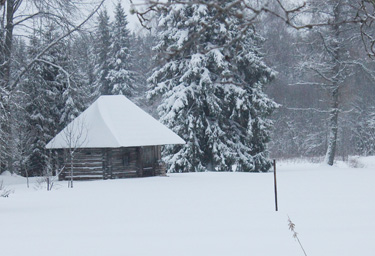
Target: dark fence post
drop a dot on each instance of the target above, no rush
(274, 175)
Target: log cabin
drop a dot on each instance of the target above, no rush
(113, 138)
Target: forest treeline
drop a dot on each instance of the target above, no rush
(238, 92)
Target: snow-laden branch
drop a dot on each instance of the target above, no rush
(364, 68)
(319, 110)
(252, 10)
(56, 66)
(308, 109)
(23, 18)
(323, 76)
(307, 84)
(204, 25)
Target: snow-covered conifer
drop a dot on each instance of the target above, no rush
(211, 89)
(142, 65)
(37, 89)
(51, 92)
(120, 75)
(83, 60)
(102, 46)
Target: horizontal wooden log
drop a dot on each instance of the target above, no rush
(84, 162)
(84, 177)
(85, 159)
(128, 167)
(68, 166)
(126, 172)
(80, 172)
(121, 176)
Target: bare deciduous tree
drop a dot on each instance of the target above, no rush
(75, 136)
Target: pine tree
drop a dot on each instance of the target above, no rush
(211, 90)
(120, 74)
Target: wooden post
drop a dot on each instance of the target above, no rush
(274, 175)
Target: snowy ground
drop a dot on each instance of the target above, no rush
(200, 214)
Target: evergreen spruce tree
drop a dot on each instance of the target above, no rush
(102, 46)
(21, 149)
(6, 158)
(211, 90)
(38, 107)
(50, 92)
(72, 96)
(120, 75)
(142, 67)
(3, 114)
(83, 54)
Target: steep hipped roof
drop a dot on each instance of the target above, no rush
(113, 122)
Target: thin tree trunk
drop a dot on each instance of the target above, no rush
(71, 168)
(335, 90)
(27, 178)
(8, 43)
(5, 83)
(333, 127)
(27, 174)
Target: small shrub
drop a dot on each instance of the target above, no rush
(5, 192)
(354, 162)
(45, 182)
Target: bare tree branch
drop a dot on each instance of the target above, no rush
(364, 14)
(52, 44)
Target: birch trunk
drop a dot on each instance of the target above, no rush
(333, 127)
(335, 88)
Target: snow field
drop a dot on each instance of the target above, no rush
(196, 214)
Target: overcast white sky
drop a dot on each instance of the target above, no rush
(134, 24)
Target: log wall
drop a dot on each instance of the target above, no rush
(111, 163)
(87, 164)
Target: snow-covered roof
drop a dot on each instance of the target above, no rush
(113, 122)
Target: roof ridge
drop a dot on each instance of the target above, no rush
(113, 133)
